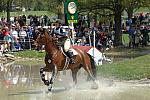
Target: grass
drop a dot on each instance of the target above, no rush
(29, 54)
(125, 39)
(128, 52)
(33, 57)
(38, 13)
(132, 69)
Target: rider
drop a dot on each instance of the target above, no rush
(58, 31)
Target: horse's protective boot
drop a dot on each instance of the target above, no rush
(70, 55)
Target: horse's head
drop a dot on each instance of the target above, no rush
(43, 38)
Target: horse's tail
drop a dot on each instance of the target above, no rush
(93, 66)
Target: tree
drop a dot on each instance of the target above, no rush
(116, 6)
(8, 10)
(132, 5)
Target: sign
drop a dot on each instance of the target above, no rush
(71, 11)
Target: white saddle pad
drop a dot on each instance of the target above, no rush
(74, 51)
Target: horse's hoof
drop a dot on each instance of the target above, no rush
(59, 79)
(50, 89)
(46, 82)
(94, 86)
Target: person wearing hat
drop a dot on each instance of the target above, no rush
(5, 31)
(65, 40)
(8, 39)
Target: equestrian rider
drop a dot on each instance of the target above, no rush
(58, 31)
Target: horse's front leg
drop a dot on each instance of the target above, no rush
(42, 74)
(53, 77)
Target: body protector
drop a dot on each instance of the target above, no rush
(67, 44)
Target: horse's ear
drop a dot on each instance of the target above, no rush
(44, 30)
(40, 30)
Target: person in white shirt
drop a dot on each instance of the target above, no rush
(14, 33)
(22, 36)
(22, 33)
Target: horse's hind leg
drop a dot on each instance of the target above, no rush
(91, 75)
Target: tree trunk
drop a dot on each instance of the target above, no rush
(118, 28)
(129, 12)
(8, 11)
(61, 12)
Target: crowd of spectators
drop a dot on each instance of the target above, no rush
(20, 33)
(138, 28)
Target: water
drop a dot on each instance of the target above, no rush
(22, 82)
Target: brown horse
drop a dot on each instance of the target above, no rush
(56, 60)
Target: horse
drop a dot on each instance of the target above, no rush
(56, 60)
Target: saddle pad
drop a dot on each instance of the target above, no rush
(74, 51)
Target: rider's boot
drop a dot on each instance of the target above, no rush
(70, 55)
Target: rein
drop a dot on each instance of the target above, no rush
(66, 61)
(56, 53)
(51, 41)
(52, 50)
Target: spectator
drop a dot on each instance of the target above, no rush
(1, 36)
(8, 39)
(22, 36)
(137, 37)
(144, 32)
(131, 36)
(14, 33)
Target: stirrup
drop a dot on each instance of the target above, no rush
(71, 61)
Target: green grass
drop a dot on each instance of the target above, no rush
(126, 52)
(29, 54)
(125, 39)
(38, 13)
(132, 69)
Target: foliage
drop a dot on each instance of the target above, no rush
(133, 5)
(38, 13)
(98, 5)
